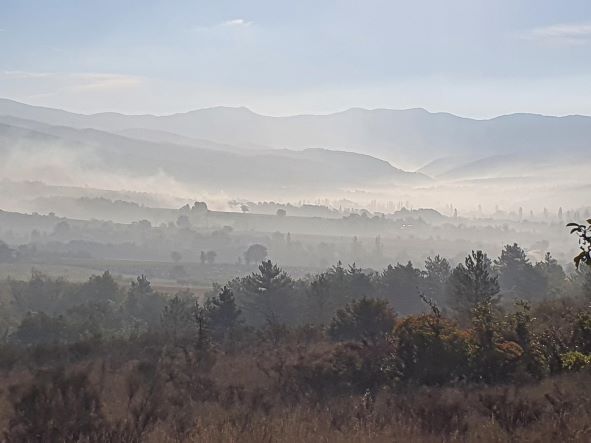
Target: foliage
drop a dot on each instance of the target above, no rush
(334, 288)
(99, 288)
(400, 285)
(222, 315)
(576, 361)
(430, 350)
(321, 300)
(266, 296)
(55, 406)
(178, 318)
(533, 361)
(143, 304)
(367, 319)
(584, 234)
(472, 284)
(581, 338)
(517, 276)
(553, 274)
(493, 359)
(41, 293)
(146, 366)
(437, 272)
(255, 253)
(41, 328)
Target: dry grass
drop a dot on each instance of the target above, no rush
(238, 400)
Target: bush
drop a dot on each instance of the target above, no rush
(582, 333)
(493, 357)
(55, 407)
(37, 328)
(497, 363)
(510, 411)
(430, 350)
(350, 368)
(576, 361)
(368, 319)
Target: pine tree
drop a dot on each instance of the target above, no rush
(553, 275)
(222, 314)
(268, 295)
(517, 276)
(437, 272)
(472, 283)
(400, 285)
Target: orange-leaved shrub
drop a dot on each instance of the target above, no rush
(430, 350)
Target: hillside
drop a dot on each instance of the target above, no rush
(80, 152)
(409, 138)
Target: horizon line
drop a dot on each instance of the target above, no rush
(246, 108)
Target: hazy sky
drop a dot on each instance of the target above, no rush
(471, 57)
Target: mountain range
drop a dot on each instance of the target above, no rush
(404, 137)
(234, 148)
(198, 164)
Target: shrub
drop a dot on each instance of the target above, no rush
(430, 350)
(575, 361)
(440, 412)
(38, 328)
(510, 411)
(493, 358)
(55, 406)
(582, 333)
(533, 361)
(350, 368)
(367, 319)
(497, 363)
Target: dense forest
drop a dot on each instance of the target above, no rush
(491, 349)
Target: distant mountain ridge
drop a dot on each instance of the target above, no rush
(403, 137)
(204, 165)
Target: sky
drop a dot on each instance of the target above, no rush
(473, 58)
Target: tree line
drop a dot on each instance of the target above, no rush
(405, 352)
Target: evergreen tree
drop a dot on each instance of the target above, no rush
(437, 272)
(358, 282)
(400, 285)
(268, 295)
(143, 303)
(99, 288)
(553, 274)
(319, 298)
(364, 319)
(517, 276)
(472, 283)
(177, 319)
(222, 314)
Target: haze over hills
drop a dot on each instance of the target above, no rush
(407, 138)
(66, 154)
(356, 154)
